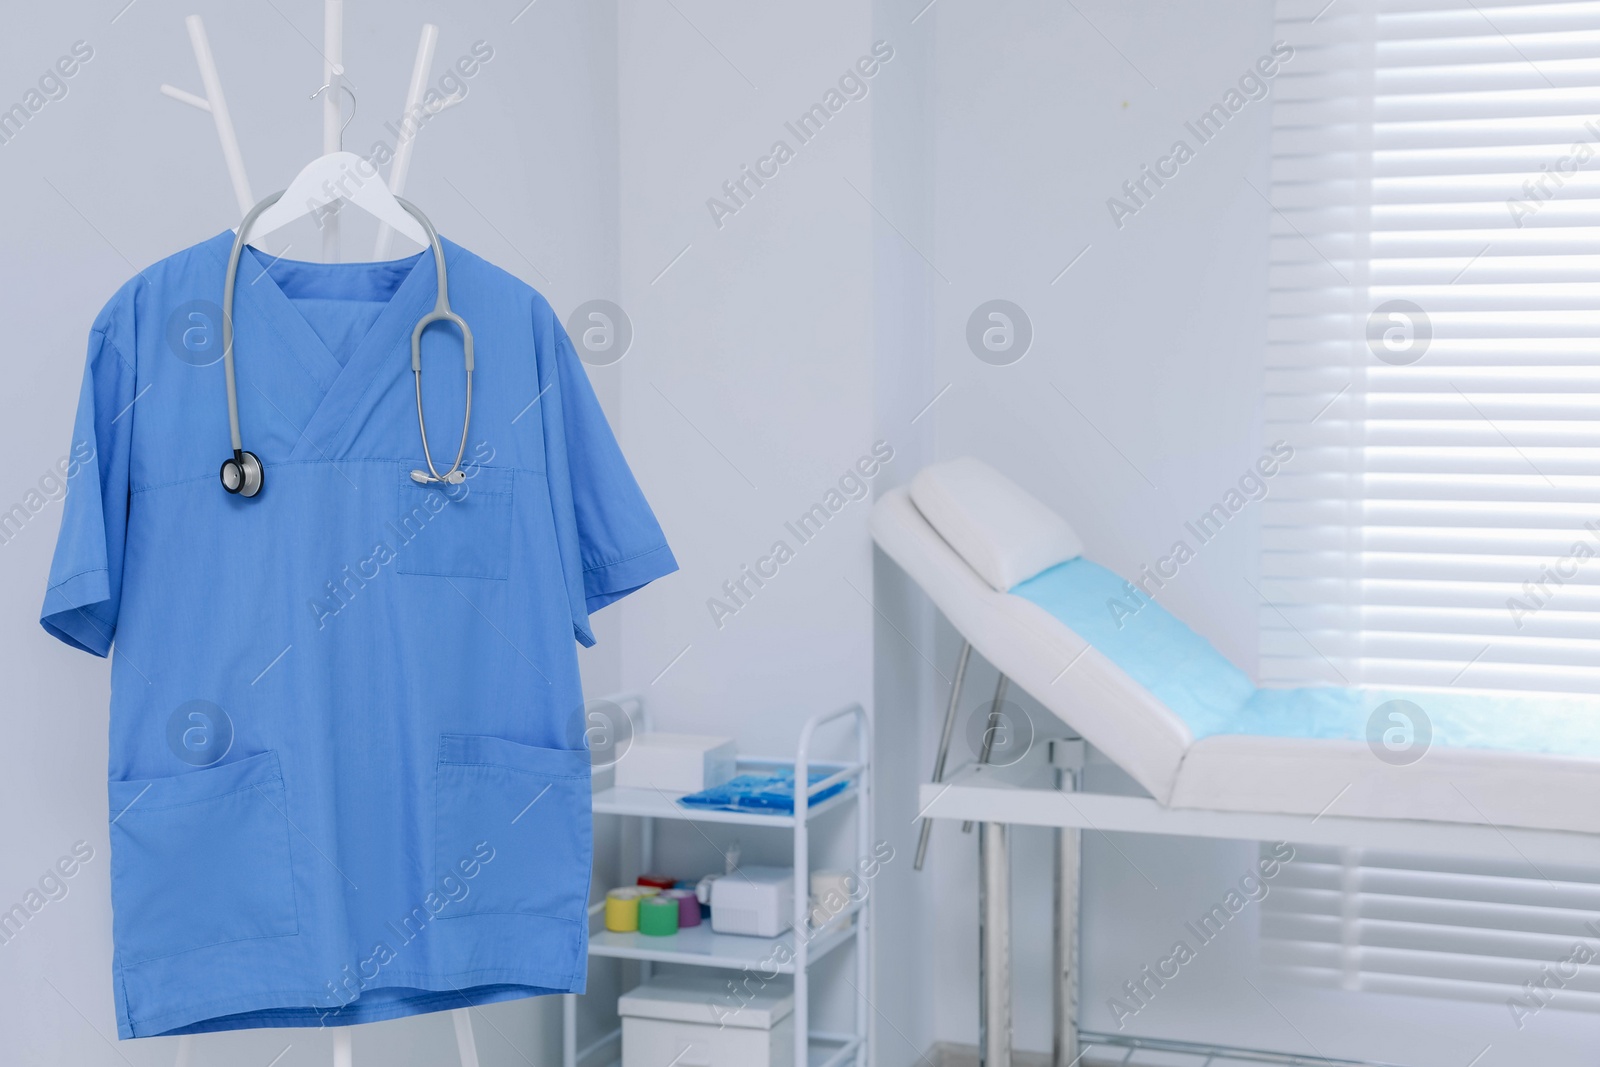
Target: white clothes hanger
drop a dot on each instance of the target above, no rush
(338, 176)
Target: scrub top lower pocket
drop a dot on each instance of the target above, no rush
(455, 531)
(201, 859)
(512, 833)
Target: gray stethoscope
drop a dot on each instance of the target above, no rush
(241, 473)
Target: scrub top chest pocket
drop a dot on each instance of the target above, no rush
(455, 531)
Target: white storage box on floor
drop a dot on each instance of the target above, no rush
(708, 1021)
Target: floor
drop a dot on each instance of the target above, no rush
(948, 1055)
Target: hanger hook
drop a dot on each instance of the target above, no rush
(347, 121)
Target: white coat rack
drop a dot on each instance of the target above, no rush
(333, 119)
(214, 103)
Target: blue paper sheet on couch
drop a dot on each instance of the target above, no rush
(1212, 696)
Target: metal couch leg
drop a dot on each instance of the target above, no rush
(994, 946)
(1069, 873)
(944, 745)
(995, 725)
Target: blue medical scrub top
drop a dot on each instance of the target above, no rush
(348, 778)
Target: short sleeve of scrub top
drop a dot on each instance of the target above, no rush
(619, 547)
(86, 574)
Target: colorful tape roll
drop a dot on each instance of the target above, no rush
(688, 906)
(658, 916)
(622, 909)
(660, 881)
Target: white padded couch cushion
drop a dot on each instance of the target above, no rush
(1047, 660)
(1003, 533)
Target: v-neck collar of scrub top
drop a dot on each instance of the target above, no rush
(372, 364)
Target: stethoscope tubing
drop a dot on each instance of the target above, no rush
(441, 312)
(228, 286)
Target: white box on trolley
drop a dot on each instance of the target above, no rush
(757, 901)
(676, 763)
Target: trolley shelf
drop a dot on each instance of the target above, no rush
(823, 1050)
(654, 804)
(700, 946)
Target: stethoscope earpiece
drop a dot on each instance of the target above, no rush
(242, 473)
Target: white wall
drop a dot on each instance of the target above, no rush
(115, 176)
(906, 689)
(748, 391)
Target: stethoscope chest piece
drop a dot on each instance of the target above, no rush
(242, 474)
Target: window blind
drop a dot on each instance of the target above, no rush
(1434, 347)
(1488, 931)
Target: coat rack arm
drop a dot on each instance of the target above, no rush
(184, 97)
(217, 105)
(421, 69)
(332, 109)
